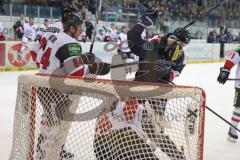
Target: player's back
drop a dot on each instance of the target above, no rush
(53, 29)
(56, 44)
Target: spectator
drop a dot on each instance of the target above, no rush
(100, 36)
(229, 36)
(222, 40)
(92, 6)
(89, 28)
(18, 27)
(2, 37)
(212, 38)
(237, 38)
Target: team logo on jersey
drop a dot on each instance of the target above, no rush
(16, 58)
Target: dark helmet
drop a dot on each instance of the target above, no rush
(72, 19)
(182, 35)
(67, 10)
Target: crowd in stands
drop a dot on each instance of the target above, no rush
(224, 36)
(51, 3)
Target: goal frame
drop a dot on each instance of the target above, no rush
(105, 81)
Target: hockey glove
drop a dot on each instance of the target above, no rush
(88, 58)
(149, 17)
(99, 68)
(223, 75)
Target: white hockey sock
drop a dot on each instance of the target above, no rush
(236, 116)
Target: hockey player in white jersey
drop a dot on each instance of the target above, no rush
(30, 33)
(62, 56)
(234, 59)
(124, 50)
(52, 29)
(40, 31)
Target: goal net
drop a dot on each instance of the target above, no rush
(87, 119)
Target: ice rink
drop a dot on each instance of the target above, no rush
(219, 97)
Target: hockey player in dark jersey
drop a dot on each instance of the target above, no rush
(118, 134)
(162, 57)
(161, 60)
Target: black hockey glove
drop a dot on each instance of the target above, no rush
(88, 58)
(99, 68)
(149, 17)
(223, 75)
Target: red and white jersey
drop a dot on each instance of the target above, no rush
(52, 29)
(127, 113)
(36, 47)
(232, 60)
(30, 32)
(59, 49)
(41, 30)
(124, 42)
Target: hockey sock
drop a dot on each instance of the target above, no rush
(236, 117)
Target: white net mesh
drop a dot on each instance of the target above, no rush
(81, 119)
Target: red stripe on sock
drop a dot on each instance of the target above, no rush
(235, 120)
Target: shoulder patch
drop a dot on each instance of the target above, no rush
(74, 49)
(237, 50)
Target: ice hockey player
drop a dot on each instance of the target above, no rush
(121, 134)
(40, 31)
(62, 56)
(232, 60)
(30, 32)
(52, 29)
(126, 54)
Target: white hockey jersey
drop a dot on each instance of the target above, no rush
(41, 30)
(59, 49)
(126, 114)
(232, 60)
(30, 32)
(124, 42)
(52, 29)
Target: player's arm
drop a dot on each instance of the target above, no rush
(135, 40)
(232, 60)
(178, 58)
(74, 63)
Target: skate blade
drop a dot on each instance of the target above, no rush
(233, 140)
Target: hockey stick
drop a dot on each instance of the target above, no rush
(97, 20)
(196, 19)
(222, 118)
(233, 79)
(124, 64)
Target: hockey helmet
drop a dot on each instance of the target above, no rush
(182, 35)
(67, 10)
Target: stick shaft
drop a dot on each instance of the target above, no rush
(95, 28)
(124, 64)
(203, 15)
(222, 118)
(233, 79)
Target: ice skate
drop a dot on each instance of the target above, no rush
(232, 135)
